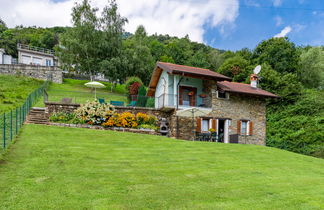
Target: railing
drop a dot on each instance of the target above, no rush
(37, 49)
(12, 121)
(81, 97)
(171, 100)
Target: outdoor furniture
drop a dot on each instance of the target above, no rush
(117, 103)
(132, 103)
(213, 137)
(101, 100)
(66, 100)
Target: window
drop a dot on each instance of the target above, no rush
(48, 62)
(205, 125)
(244, 125)
(222, 95)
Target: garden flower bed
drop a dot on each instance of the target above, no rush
(103, 116)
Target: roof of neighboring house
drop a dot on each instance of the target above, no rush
(236, 87)
(188, 71)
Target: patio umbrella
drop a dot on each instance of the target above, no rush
(192, 112)
(95, 85)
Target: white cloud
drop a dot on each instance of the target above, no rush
(174, 17)
(278, 20)
(277, 3)
(284, 32)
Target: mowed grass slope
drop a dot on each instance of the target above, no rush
(72, 168)
(14, 90)
(79, 93)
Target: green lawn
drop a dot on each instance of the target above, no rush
(79, 93)
(14, 91)
(72, 168)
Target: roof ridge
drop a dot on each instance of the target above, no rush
(185, 66)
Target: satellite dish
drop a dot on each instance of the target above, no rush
(257, 69)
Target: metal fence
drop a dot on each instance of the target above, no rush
(12, 121)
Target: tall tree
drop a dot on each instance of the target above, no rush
(280, 53)
(311, 73)
(79, 46)
(94, 43)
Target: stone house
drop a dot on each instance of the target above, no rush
(236, 111)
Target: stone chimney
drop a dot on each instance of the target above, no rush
(254, 80)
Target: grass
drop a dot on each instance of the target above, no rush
(79, 93)
(72, 168)
(14, 90)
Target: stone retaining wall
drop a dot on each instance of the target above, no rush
(97, 127)
(51, 73)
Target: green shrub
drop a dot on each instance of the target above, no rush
(63, 117)
(148, 126)
(120, 88)
(150, 102)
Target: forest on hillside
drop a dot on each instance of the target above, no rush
(98, 44)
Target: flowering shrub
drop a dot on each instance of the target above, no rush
(94, 113)
(129, 120)
(133, 89)
(142, 118)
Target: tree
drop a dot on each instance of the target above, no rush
(311, 72)
(285, 85)
(94, 43)
(236, 68)
(3, 26)
(280, 53)
(79, 46)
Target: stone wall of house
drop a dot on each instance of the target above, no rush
(239, 107)
(51, 73)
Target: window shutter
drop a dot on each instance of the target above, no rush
(239, 127)
(214, 124)
(198, 127)
(250, 128)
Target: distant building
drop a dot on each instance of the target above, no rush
(35, 56)
(5, 59)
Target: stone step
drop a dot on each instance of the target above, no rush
(37, 115)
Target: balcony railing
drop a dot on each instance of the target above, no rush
(37, 49)
(172, 101)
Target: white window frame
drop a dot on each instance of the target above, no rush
(209, 124)
(247, 133)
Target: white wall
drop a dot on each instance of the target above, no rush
(161, 88)
(36, 59)
(7, 59)
(1, 55)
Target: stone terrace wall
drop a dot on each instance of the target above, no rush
(52, 73)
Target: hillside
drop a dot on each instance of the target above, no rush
(14, 91)
(71, 168)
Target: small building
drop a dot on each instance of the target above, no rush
(237, 111)
(30, 55)
(4, 58)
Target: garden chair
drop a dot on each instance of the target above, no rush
(66, 100)
(132, 103)
(117, 103)
(101, 100)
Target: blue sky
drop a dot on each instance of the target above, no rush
(259, 22)
(223, 24)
